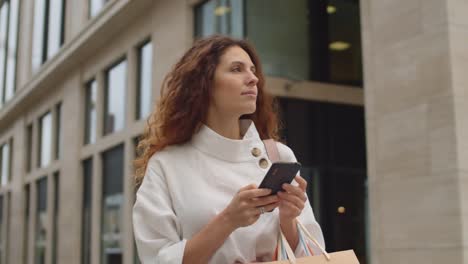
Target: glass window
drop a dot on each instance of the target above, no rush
(220, 17)
(308, 40)
(26, 223)
(116, 83)
(49, 19)
(45, 140)
(5, 162)
(3, 47)
(41, 222)
(56, 216)
(58, 132)
(271, 28)
(144, 80)
(11, 53)
(55, 28)
(90, 115)
(29, 141)
(38, 52)
(112, 199)
(86, 212)
(95, 6)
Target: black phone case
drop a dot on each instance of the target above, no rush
(278, 174)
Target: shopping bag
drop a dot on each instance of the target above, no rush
(285, 251)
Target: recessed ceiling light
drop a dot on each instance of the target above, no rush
(339, 45)
(222, 10)
(341, 210)
(331, 9)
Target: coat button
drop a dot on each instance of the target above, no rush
(263, 163)
(256, 152)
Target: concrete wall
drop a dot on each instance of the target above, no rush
(413, 54)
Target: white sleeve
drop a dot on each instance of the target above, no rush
(156, 226)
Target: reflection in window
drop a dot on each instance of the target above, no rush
(95, 6)
(144, 81)
(55, 27)
(220, 17)
(116, 83)
(48, 30)
(11, 53)
(8, 48)
(45, 140)
(90, 115)
(271, 28)
(38, 54)
(308, 40)
(3, 47)
(86, 212)
(5, 163)
(41, 222)
(112, 199)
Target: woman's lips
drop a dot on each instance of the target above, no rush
(253, 93)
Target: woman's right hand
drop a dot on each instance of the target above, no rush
(244, 208)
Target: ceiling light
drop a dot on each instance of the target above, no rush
(341, 210)
(339, 45)
(222, 10)
(331, 9)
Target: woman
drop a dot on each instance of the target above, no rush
(202, 158)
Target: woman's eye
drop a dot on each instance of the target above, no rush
(237, 69)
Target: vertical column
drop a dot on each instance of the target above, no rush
(458, 32)
(411, 132)
(128, 190)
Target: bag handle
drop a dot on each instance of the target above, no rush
(273, 154)
(272, 150)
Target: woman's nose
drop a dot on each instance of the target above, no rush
(253, 79)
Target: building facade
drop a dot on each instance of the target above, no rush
(378, 126)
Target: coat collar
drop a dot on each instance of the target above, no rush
(211, 143)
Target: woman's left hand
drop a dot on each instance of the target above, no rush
(292, 199)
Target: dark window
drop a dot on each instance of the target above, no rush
(112, 200)
(299, 40)
(58, 131)
(56, 217)
(29, 142)
(329, 141)
(114, 103)
(2, 243)
(26, 224)
(86, 212)
(41, 222)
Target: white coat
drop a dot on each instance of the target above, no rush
(186, 186)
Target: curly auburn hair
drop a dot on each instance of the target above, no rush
(185, 96)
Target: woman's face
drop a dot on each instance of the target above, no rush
(235, 84)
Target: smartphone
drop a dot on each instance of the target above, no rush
(278, 174)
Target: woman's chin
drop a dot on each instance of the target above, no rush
(249, 111)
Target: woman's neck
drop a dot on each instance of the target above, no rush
(226, 127)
